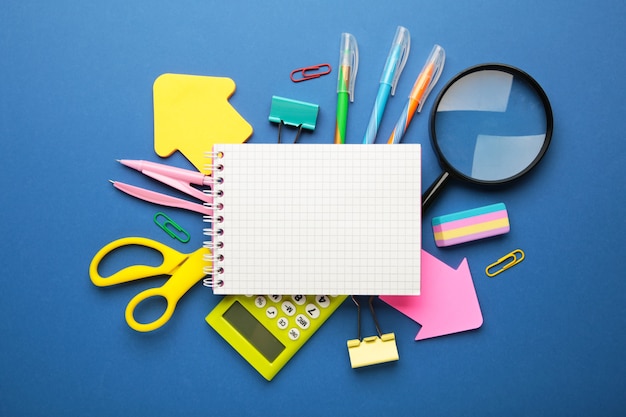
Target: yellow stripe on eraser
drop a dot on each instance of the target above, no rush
(469, 225)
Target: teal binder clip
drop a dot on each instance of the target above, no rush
(294, 113)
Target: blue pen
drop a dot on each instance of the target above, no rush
(391, 74)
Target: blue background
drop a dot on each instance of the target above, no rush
(76, 94)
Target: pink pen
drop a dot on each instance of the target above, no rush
(178, 178)
(162, 199)
(192, 177)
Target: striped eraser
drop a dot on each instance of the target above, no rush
(468, 225)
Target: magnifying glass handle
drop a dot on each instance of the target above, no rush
(433, 191)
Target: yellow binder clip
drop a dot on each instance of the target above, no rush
(506, 262)
(373, 349)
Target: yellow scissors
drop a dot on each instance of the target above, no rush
(185, 270)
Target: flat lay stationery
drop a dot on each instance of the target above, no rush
(292, 230)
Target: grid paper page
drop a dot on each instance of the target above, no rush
(320, 219)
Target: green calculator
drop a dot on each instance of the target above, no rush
(267, 330)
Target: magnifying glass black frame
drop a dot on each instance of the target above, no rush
(448, 170)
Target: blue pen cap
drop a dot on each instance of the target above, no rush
(397, 58)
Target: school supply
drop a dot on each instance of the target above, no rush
(468, 225)
(169, 226)
(178, 178)
(396, 60)
(348, 68)
(371, 350)
(424, 84)
(511, 259)
(448, 302)
(294, 113)
(186, 269)
(267, 330)
(316, 219)
(490, 124)
(161, 199)
(309, 73)
(192, 112)
(156, 170)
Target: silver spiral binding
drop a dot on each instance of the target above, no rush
(212, 219)
(211, 283)
(213, 155)
(213, 268)
(213, 193)
(214, 206)
(214, 166)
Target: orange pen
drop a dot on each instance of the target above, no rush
(422, 87)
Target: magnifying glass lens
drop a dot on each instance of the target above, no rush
(491, 125)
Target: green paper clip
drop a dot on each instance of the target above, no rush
(169, 222)
(298, 114)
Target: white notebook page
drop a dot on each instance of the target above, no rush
(319, 219)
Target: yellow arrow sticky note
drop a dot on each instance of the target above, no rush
(192, 113)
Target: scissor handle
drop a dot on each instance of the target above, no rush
(189, 273)
(171, 260)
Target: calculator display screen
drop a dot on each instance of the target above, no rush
(252, 329)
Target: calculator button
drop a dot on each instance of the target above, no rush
(282, 323)
(322, 301)
(302, 321)
(294, 334)
(276, 298)
(299, 299)
(260, 301)
(271, 312)
(312, 311)
(288, 308)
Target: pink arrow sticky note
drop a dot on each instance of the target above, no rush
(447, 303)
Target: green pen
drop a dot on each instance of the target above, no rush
(348, 66)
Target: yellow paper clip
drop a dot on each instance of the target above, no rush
(371, 350)
(513, 258)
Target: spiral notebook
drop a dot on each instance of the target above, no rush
(315, 219)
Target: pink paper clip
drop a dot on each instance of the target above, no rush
(308, 73)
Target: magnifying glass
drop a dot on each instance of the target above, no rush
(490, 124)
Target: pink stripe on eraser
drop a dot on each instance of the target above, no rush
(469, 225)
(470, 221)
